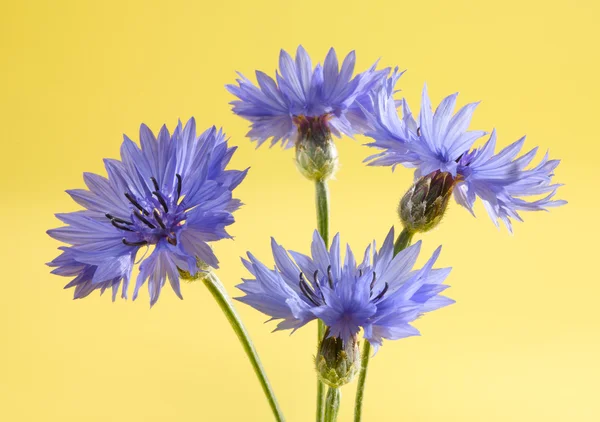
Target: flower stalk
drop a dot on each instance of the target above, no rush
(322, 199)
(362, 378)
(403, 240)
(217, 290)
(322, 202)
(332, 404)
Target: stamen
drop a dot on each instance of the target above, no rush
(161, 200)
(178, 176)
(317, 285)
(135, 203)
(155, 183)
(374, 279)
(143, 256)
(116, 224)
(320, 291)
(172, 241)
(329, 277)
(380, 295)
(158, 219)
(310, 295)
(140, 243)
(143, 220)
(419, 131)
(118, 220)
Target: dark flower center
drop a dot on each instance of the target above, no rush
(315, 294)
(152, 218)
(313, 128)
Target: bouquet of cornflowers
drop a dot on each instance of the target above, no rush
(169, 197)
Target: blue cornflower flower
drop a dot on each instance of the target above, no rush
(325, 93)
(440, 142)
(382, 295)
(173, 193)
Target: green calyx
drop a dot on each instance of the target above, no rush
(316, 154)
(201, 274)
(337, 363)
(423, 206)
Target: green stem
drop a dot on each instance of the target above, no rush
(218, 291)
(320, 385)
(360, 389)
(322, 201)
(332, 404)
(322, 198)
(403, 241)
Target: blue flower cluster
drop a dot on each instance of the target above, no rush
(441, 141)
(173, 193)
(301, 90)
(381, 295)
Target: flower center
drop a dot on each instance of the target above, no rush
(315, 295)
(155, 217)
(313, 128)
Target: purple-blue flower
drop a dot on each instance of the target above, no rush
(441, 141)
(381, 295)
(173, 193)
(301, 90)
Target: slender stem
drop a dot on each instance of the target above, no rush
(322, 198)
(360, 389)
(403, 241)
(322, 201)
(332, 404)
(320, 385)
(218, 291)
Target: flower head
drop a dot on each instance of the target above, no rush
(173, 193)
(441, 142)
(301, 90)
(382, 294)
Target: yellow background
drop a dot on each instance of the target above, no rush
(521, 344)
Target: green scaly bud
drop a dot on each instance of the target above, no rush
(337, 363)
(316, 154)
(424, 205)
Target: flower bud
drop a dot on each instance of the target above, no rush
(337, 363)
(203, 271)
(316, 154)
(424, 205)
